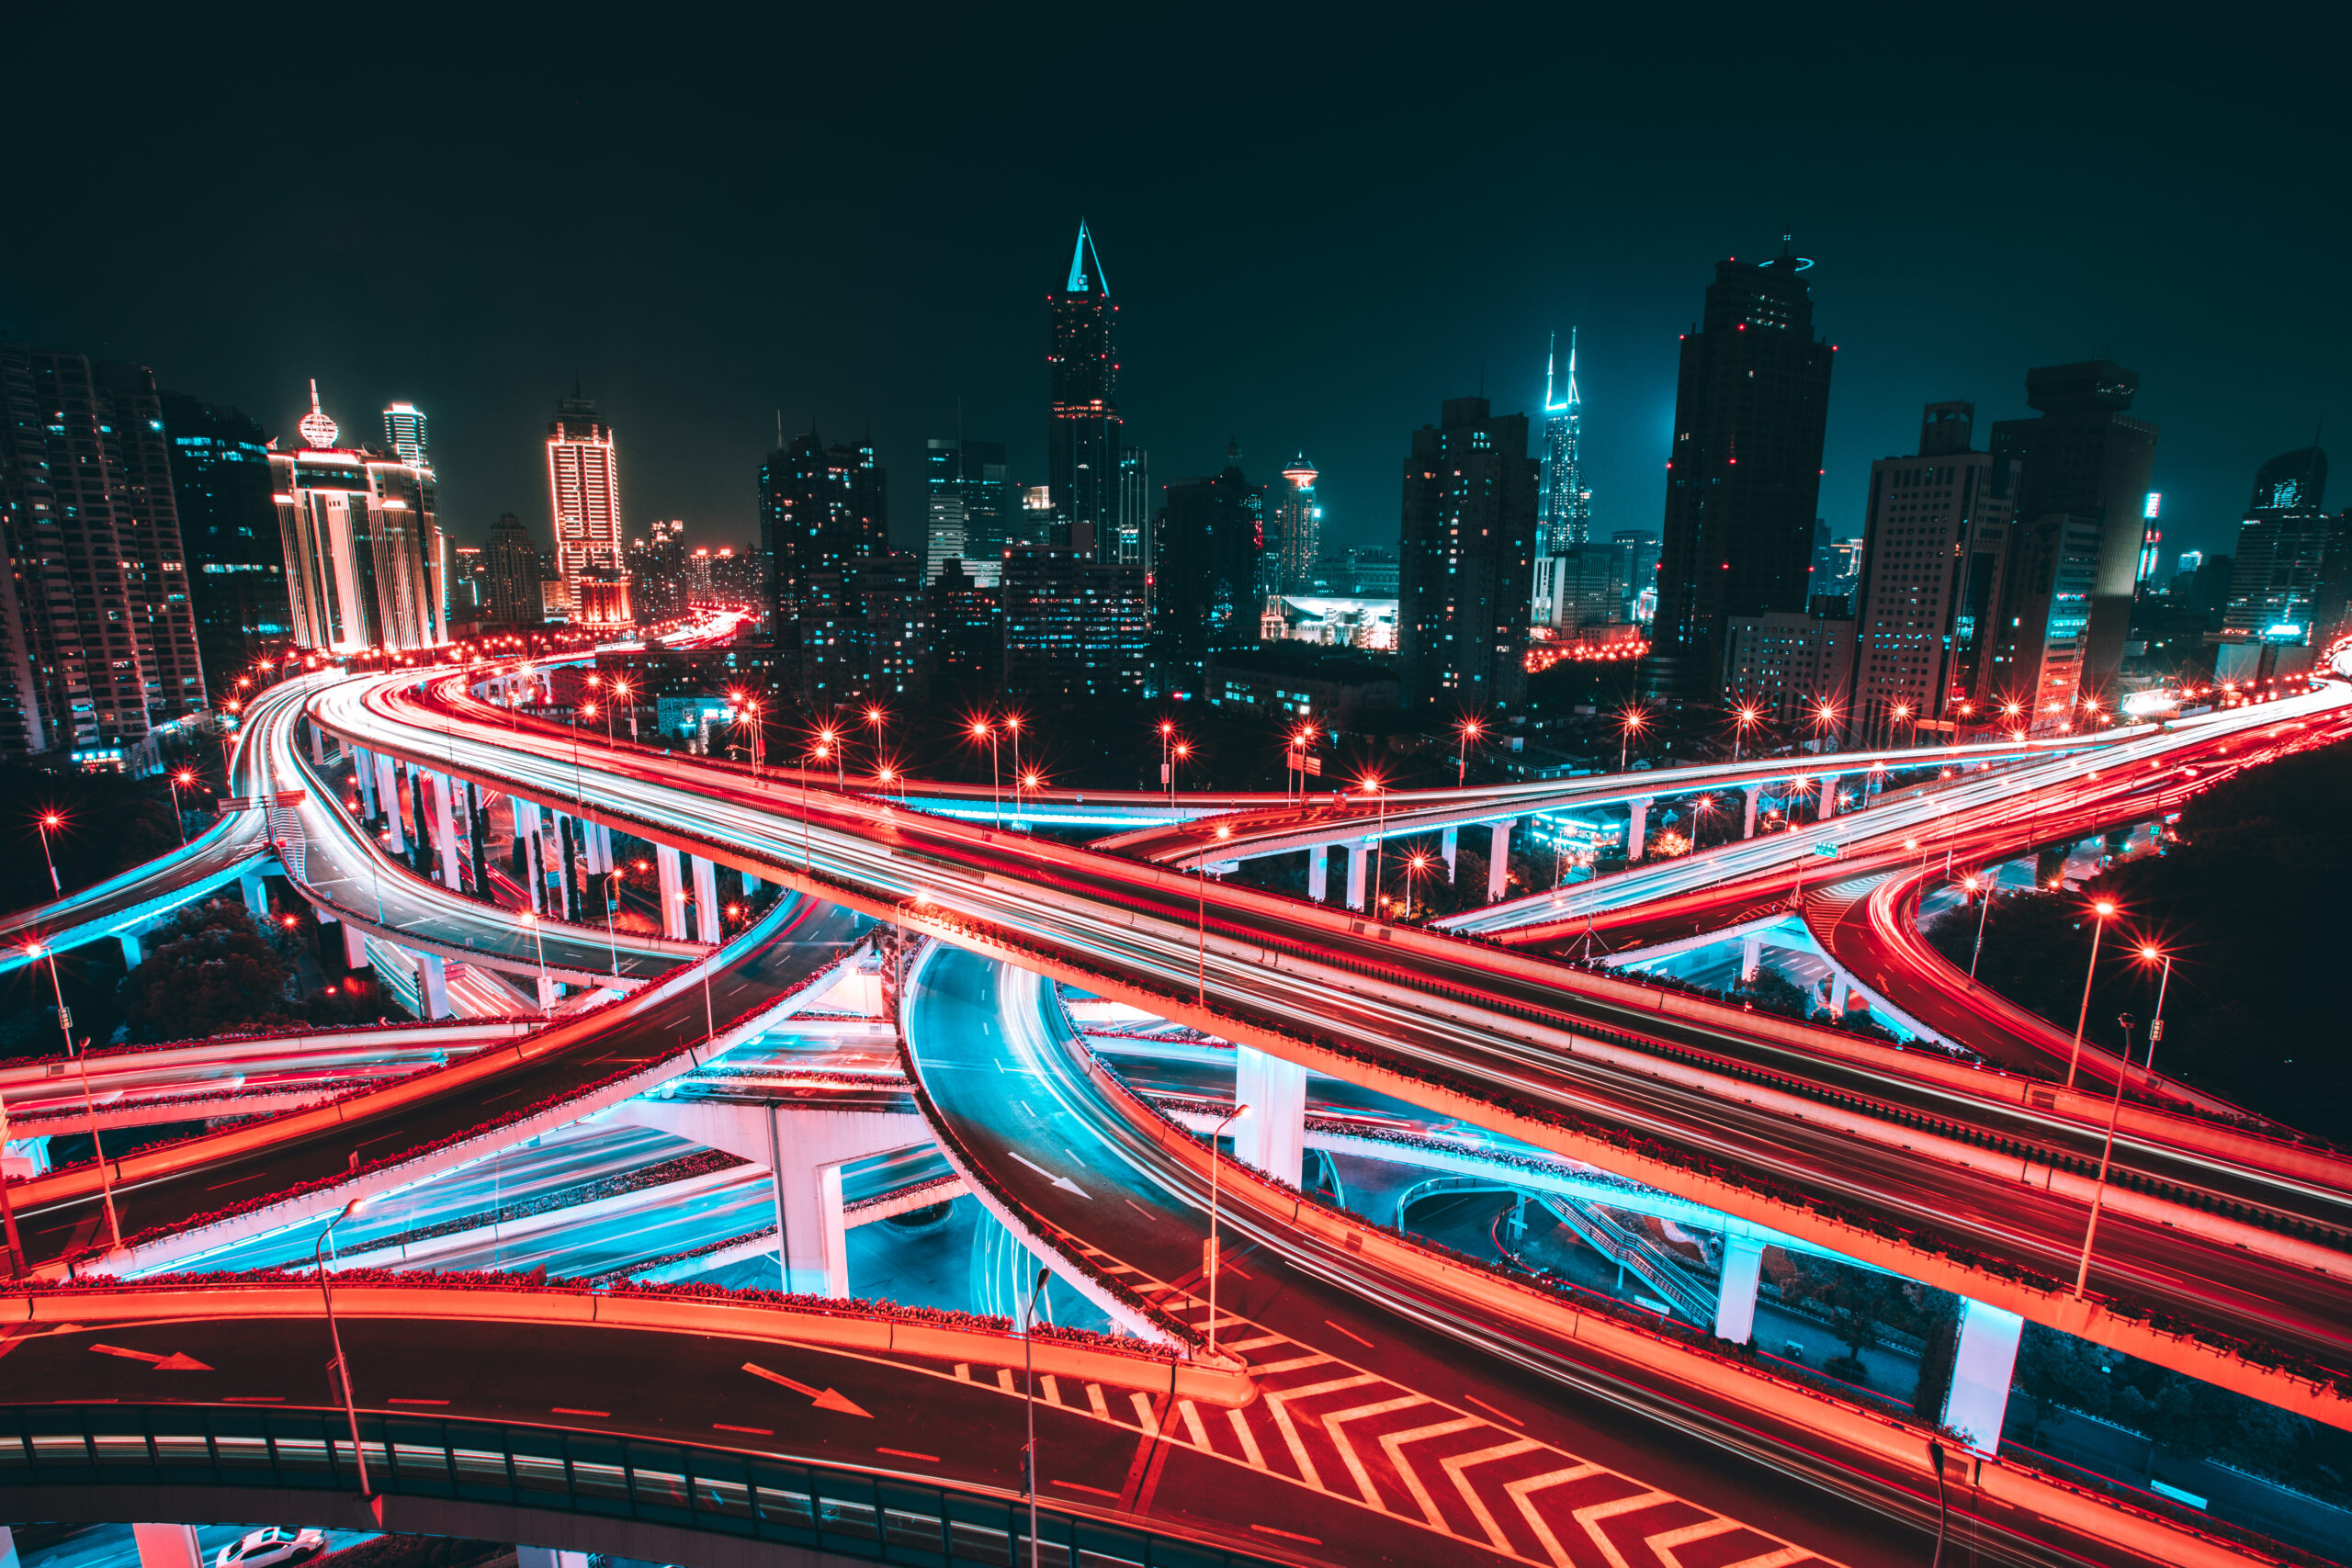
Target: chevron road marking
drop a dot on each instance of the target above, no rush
(1590, 1517)
(1393, 1443)
(1519, 1492)
(1334, 1426)
(1459, 1464)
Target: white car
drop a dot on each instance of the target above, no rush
(271, 1548)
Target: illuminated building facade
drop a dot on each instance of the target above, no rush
(2279, 570)
(1928, 602)
(1751, 405)
(365, 562)
(511, 573)
(404, 434)
(823, 511)
(966, 495)
(1466, 553)
(1133, 546)
(1073, 629)
(1297, 543)
(236, 570)
(2089, 457)
(97, 641)
(600, 598)
(1563, 504)
(1082, 448)
(865, 633)
(1786, 665)
(584, 494)
(660, 581)
(2033, 675)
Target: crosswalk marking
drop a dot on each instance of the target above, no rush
(1192, 1416)
(1335, 1424)
(1143, 1417)
(1260, 1343)
(1094, 1401)
(1052, 1390)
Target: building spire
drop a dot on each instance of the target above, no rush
(1080, 280)
(1573, 398)
(1551, 352)
(317, 429)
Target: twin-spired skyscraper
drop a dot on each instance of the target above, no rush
(1083, 425)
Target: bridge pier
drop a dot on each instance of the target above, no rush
(445, 829)
(1828, 796)
(706, 900)
(131, 954)
(388, 786)
(1743, 1267)
(672, 892)
(1359, 863)
(1751, 955)
(318, 743)
(167, 1546)
(1840, 983)
(1637, 824)
(256, 896)
(1272, 1137)
(1499, 860)
(433, 984)
(1748, 821)
(526, 833)
(363, 773)
(1319, 872)
(1982, 1367)
(1449, 844)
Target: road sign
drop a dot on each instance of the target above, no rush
(1828, 852)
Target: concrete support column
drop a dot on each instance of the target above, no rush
(7, 1548)
(363, 769)
(1637, 827)
(387, 787)
(167, 1546)
(1981, 1370)
(1751, 954)
(706, 900)
(445, 828)
(1828, 796)
(816, 1239)
(256, 894)
(1272, 1137)
(1449, 845)
(1319, 872)
(1839, 985)
(1735, 1294)
(1499, 860)
(671, 884)
(131, 953)
(433, 984)
(354, 946)
(1359, 863)
(751, 883)
(318, 745)
(1747, 823)
(526, 833)
(550, 993)
(548, 1557)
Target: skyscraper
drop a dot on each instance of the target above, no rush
(1082, 427)
(236, 567)
(823, 509)
(404, 434)
(365, 564)
(583, 494)
(1744, 474)
(510, 561)
(1466, 552)
(2088, 457)
(2282, 555)
(1298, 530)
(1210, 538)
(966, 494)
(1133, 546)
(96, 638)
(1935, 537)
(1563, 506)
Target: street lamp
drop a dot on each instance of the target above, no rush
(622, 689)
(1028, 1382)
(2107, 1155)
(2102, 909)
(1698, 810)
(612, 902)
(2150, 954)
(89, 1105)
(1209, 1252)
(1991, 882)
(1630, 721)
(876, 717)
(50, 821)
(1746, 719)
(1166, 762)
(181, 778)
(983, 730)
(1469, 730)
(341, 1365)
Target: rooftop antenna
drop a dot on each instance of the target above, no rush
(779, 430)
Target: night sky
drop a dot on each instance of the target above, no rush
(1316, 228)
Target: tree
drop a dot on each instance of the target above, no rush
(211, 971)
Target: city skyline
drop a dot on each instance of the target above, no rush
(877, 327)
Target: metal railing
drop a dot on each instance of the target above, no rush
(849, 1512)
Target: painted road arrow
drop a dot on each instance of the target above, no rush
(177, 1361)
(1064, 1182)
(826, 1399)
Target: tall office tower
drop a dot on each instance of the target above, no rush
(1466, 553)
(659, 590)
(236, 568)
(1209, 538)
(822, 510)
(1563, 505)
(2032, 674)
(1133, 546)
(865, 633)
(1744, 475)
(584, 493)
(1638, 550)
(1073, 629)
(365, 563)
(1082, 427)
(96, 638)
(2088, 457)
(1298, 530)
(511, 565)
(966, 494)
(468, 584)
(1934, 538)
(2275, 585)
(404, 434)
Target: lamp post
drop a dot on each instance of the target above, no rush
(2150, 954)
(1210, 1252)
(1630, 723)
(1028, 1382)
(538, 937)
(1177, 753)
(181, 777)
(710, 1023)
(1469, 730)
(341, 1365)
(876, 717)
(2107, 1153)
(49, 820)
(622, 689)
(612, 902)
(1992, 881)
(1746, 719)
(1166, 762)
(89, 1105)
(2102, 908)
(1012, 728)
